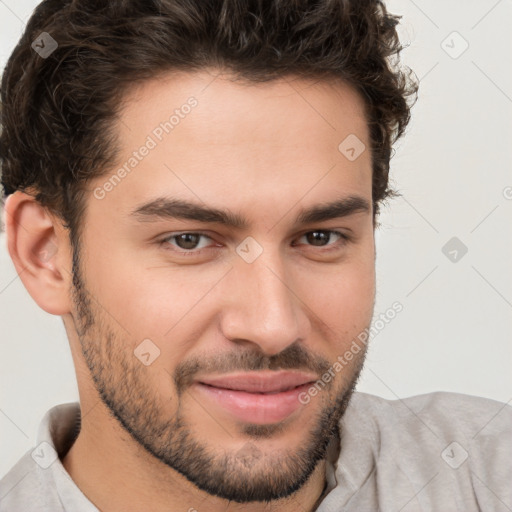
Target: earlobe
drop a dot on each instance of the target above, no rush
(39, 249)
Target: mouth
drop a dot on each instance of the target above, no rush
(262, 397)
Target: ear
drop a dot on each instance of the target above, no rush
(40, 250)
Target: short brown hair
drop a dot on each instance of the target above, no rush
(58, 112)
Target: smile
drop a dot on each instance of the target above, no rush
(256, 397)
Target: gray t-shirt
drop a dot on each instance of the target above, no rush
(438, 452)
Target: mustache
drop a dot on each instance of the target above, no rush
(294, 357)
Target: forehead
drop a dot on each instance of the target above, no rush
(238, 106)
(213, 138)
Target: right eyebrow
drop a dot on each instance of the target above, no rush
(172, 208)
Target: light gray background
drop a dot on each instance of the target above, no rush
(453, 169)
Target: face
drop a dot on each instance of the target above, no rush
(215, 286)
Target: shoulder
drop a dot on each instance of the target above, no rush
(31, 485)
(21, 487)
(457, 446)
(440, 416)
(439, 405)
(444, 412)
(437, 451)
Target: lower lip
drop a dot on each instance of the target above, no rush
(258, 408)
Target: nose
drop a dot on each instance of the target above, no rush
(262, 307)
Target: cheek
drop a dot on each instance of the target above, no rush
(135, 300)
(344, 303)
(343, 295)
(152, 300)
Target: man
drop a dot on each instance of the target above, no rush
(194, 188)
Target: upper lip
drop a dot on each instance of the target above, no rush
(260, 381)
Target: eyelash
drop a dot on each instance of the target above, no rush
(344, 239)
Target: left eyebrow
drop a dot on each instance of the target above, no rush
(173, 208)
(335, 210)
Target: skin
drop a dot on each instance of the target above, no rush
(263, 151)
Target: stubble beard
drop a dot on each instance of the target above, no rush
(244, 475)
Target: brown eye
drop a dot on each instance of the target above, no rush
(322, 238)
(188, 242)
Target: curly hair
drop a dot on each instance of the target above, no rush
(59, 112)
